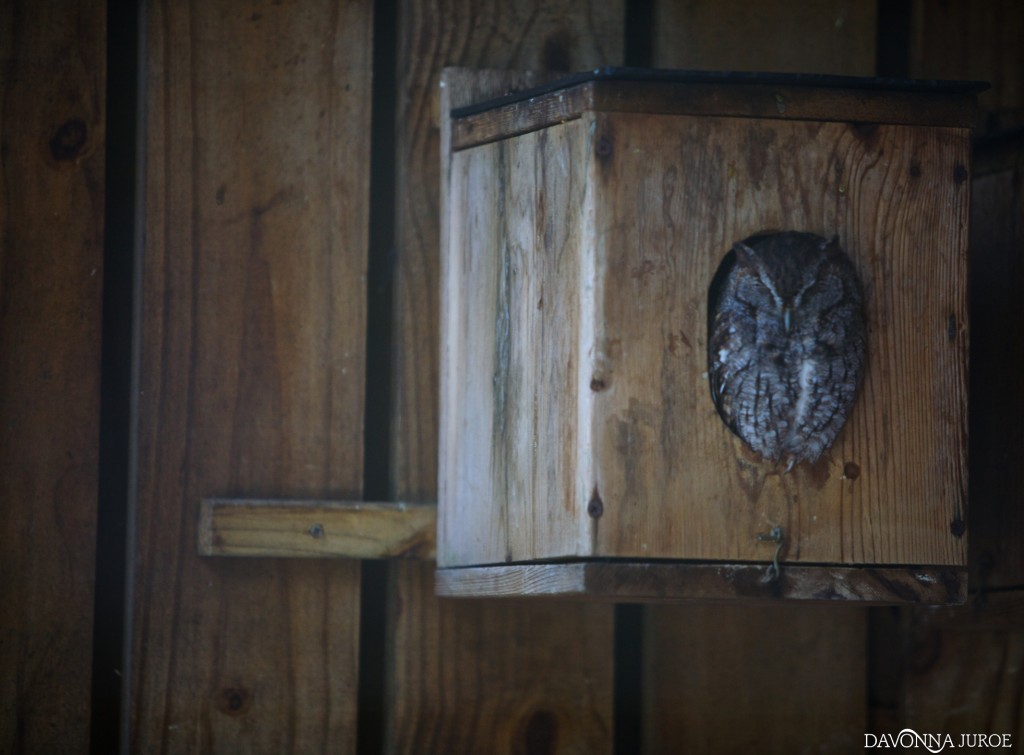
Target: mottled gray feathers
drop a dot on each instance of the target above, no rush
(786, 343)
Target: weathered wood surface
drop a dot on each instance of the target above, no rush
(785, 656)
(495, 676)
(510, 376)
(581, 418)
(251, 377)
(446, 659)
(997, 364)
(276, 528)
(772, 679)
(961, 39)
(52, 110)
(672, 479)
(769, 101)
(964, 669)
(823, 36)
(667, 581)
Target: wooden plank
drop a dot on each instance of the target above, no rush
(788, 677)
(316, 529)
(668, 581)
(997, 363)
(674, 482)
(772, 102)
(52, 111)
(510, 457)
(446, 660)
(496, 676)
(969, 40)
(802, 36)
(767, 679)
(964, 669)
(252, 367)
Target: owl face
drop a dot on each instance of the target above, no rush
(786, 343)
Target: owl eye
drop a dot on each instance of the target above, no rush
(823, 292)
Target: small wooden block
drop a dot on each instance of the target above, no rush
(316, 529)
(667, 581)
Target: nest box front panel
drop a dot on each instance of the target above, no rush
(673, 194)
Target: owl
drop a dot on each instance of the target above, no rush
(786, 343)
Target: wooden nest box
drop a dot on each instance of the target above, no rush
(583, 221)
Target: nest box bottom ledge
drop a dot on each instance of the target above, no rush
(622, 581)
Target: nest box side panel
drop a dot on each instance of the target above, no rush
(673, 194)
(509, 488)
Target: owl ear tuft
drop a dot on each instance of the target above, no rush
(744, 253)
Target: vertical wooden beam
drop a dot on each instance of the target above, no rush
(959, 670)
(731, 678)
(997, 363)
(817, 653)
(476, 677)
(52, 99)
(802, 36)
(964, 669)
(252, 375)
(960, 39)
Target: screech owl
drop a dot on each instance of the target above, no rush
(786, 343)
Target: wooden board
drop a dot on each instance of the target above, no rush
(997, 363)
(251, 378)
(673, 480)
(52, 111)
(434, 647)
(581, 420)
(768, 679)
(495, 676)
(820, 36)
(759, 649)
(654, 582)
(970, 40)
(964, 669)
(502, 396)
(316, 529)
(779, 100)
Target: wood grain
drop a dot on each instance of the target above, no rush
(581, 422)
(52, 110)
(496, 676)
(772, 679)
(964, 669)
(654, 582)
(820, 36)
(433, 34)
(674, 482)
(251, 378)
(447, 660)
(316, 529)
(511, 477)
(964, 40)
(768, 101)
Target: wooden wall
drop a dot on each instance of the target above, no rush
(52, 122)
(260, 272)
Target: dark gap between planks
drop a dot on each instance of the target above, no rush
(121, 169)
(378, 405)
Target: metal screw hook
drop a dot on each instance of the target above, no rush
(774, 536)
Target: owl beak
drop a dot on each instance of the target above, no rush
(787, 317)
